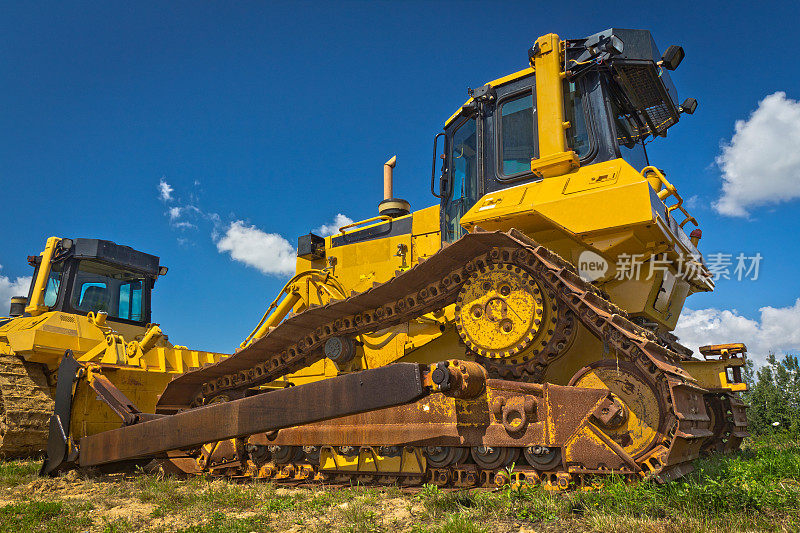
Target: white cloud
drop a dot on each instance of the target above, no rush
(164, 190)
(332, 228)
(777, 330)
(761, 163)
(268, 252)
(9, 289)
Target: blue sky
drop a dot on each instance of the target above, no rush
(280, 115)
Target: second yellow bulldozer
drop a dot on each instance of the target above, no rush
(92, 297)
(523, 320)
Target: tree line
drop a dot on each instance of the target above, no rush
(773, 396)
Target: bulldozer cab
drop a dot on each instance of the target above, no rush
(93, 276)
(615, 92)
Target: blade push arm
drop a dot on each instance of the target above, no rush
(368, 390)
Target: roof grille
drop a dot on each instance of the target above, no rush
(640, 82)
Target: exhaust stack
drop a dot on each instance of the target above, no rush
(390, 206)
(388, 170)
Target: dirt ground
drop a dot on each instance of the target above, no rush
(757, 489)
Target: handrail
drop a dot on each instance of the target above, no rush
(689, 218)
(433, 169)
(669, 190)
(360, 222)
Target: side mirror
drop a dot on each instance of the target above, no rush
(672, 57)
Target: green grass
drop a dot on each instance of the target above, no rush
(220, 523)
(757, 489)
(43, 515)
(453, 523)
(360, 519)
(15, 472)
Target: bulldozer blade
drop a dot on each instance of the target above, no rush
(58, 444)
(368, 390)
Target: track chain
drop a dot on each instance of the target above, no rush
(411, 294)
(25, 407)
(458, 476)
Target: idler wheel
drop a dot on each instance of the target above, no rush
(644, 408)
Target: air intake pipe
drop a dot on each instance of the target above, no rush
(18, 304)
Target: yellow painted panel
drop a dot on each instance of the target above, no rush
(425, 220)
(712, 374)
(505, 198)
(425, 245)
(361, 264)
(620, 202)
(611, 207)
(384, 346)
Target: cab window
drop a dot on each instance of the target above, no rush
(517, 142)
(463, 182)
(53, 284)
(100, 287)
(130, 301)
(578, 133)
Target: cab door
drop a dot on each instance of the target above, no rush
(490, 145)
(460, 176)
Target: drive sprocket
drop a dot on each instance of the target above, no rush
(512, 324)
(502, 311)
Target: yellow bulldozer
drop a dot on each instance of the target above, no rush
(523, 320)
(91, 297)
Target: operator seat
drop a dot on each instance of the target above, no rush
(95, 299)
